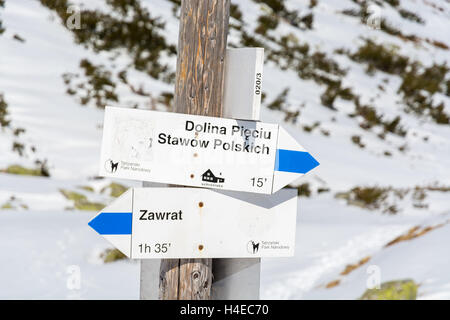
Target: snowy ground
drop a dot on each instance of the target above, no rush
(40, 248)
(41, 243)
(329, 239)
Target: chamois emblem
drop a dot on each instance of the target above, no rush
(253, 247)
(111, 166)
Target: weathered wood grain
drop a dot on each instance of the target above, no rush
(198, 90)
(195, 279)
(169, 279)
(201, 57)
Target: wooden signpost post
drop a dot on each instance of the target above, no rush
(199, 88)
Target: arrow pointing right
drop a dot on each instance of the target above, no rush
(199, 151)
(291, 162)
(294, 161)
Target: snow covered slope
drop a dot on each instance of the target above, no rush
(378, 177)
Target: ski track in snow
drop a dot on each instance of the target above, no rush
(300, 282)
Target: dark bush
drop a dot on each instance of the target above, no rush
(97, 85)
(280, 101)
(4, 121)
(102, 32)
(381, 58)
(410, 16)
(2, 29)
(266, 23)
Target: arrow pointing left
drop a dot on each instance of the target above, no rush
(199, 223)
(112, 223)
(115, 221)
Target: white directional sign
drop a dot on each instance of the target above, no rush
(200, 151)
(199, 223)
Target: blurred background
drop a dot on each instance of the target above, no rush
(364, 86)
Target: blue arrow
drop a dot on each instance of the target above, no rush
(112, 223)
(294, 161)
